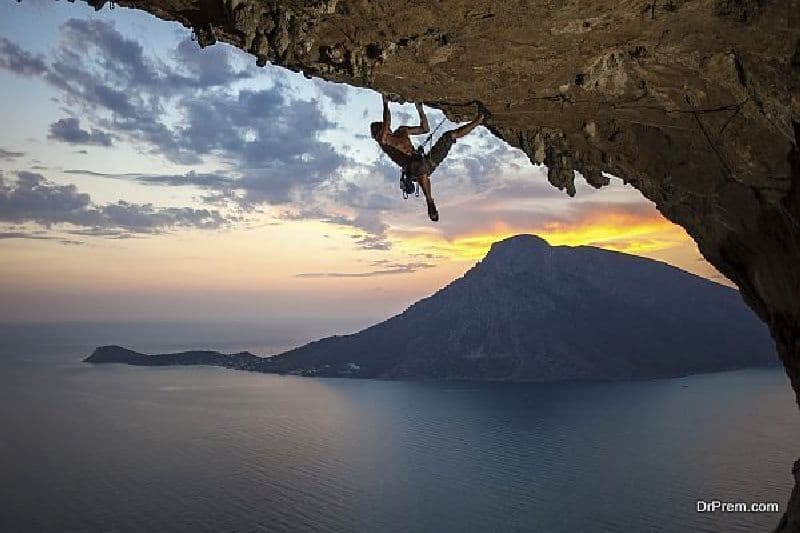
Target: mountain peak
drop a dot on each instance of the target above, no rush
(518, 253)
(523, 240)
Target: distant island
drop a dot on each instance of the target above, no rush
(531, 311)
(238, 361)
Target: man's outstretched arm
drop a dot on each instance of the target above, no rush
(386, 127)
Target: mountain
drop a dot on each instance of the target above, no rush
(531, 311)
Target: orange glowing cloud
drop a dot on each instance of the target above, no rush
(624, 232)
(637, 231)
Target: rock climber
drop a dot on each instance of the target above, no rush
(416, 164)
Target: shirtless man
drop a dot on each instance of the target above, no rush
(397, 145)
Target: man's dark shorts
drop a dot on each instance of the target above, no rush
(439, 151)
(424, 166)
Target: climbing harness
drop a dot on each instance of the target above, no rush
(408, 177)
(409, 186)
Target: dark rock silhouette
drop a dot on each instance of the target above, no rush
(530, 311)
(118, 354)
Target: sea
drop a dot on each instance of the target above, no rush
(114, 448)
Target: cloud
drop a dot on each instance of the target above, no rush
(631, 228)
(271, 139)
(144, 218)
(33, 199)
(8, 155)
(37, 236)
(389, 269)
(69, 130)
(208, 67)
(117, 58)
(372, 234)
(635, 228)
(217, 182)
(336, 92)
(186, 111)
(19, 61)
(192, 178)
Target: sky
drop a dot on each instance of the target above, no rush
(144, 179)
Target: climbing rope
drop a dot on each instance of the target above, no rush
(430, 137)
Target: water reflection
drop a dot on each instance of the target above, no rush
(94, 448)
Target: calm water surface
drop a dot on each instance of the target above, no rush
(124, 449)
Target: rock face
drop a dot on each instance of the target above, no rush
(696, 103)
(530, 311)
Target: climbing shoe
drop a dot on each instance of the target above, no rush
(432, 212)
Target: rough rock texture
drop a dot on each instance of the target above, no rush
(696, 103)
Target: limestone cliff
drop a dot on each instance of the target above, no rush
(696, 103)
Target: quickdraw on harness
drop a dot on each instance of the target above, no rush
(408, 183)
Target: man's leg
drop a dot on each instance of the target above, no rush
(437, 155)
(441, 148)
(425, 185)
(466, 128)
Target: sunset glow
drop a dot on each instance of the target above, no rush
(612, 231)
